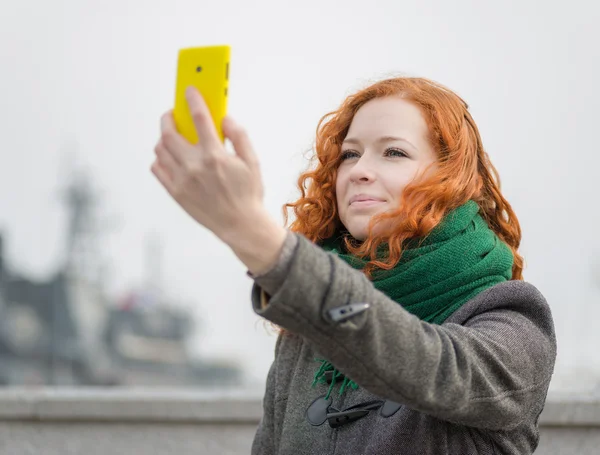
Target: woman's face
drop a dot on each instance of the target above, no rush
(386, 148)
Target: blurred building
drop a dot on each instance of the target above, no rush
(67, 331)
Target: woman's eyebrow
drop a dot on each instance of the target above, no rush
(382, 139)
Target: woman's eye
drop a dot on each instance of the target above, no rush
(395, 152)
(348, 154)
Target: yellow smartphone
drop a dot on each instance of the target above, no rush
(207, 69)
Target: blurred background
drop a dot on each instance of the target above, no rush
(105, 281)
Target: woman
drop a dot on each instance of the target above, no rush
(405, 324)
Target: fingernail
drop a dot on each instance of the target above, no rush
(189, 91)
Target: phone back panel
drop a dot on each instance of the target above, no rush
(207, 69)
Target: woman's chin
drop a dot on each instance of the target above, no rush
(359, 233)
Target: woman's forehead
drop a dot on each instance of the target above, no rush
(388, 117)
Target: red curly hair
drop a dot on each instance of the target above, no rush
(464, 172)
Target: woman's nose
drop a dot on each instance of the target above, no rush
(362, 171)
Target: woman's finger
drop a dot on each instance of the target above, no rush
(163, 177)
(165, 158)
(241, 142)
(174, 142)
(208, 138)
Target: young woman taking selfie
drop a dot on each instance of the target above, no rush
(405, 325)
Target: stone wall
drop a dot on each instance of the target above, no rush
(135, 421)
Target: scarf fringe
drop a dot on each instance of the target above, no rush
(319, 378)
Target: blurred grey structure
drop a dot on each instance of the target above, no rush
(67, 331)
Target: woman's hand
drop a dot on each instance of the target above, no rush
(221, 191)
(217, 189)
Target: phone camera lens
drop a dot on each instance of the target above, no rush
(198, 69)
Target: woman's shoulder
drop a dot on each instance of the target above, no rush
(515, 289)
(513, 295)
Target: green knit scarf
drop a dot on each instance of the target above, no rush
(460, 258)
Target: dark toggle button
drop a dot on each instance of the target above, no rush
(321, 410)
(337, 419)
(316, 414)
(329, 376)
(353, 413)
(389, 408)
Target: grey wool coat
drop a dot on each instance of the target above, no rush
(475, 384)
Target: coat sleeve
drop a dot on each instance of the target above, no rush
(491, 371)
(264, 439)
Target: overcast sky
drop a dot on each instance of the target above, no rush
(95, 76)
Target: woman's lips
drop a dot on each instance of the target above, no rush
(366, 203)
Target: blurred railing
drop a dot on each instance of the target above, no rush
(150, 421)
